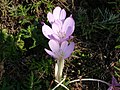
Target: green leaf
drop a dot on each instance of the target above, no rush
(117, 68)
(118, 46)
(20, 44)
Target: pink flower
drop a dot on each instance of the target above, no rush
(115, 85)
(58, 51)
(59, 31)
(58, 14)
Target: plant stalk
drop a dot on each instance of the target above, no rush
(59, 69)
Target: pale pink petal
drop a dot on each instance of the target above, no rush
(56, 13)
(50, 53)
(69, 31)
(55, 28)
(55, 37)
(69, 50)
(54, 45)
(64, 45)
(68, 26)
(62, 14)
(51, 36)
(59, 23)
(46, 30)
(50, 17)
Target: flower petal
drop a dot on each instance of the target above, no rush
(68, 26)
(114, 81)
(110, 88)
(54, 45)
(69, 50)
(50, 53)
(56, 13)
(62, 14)
(50, 17)
(55, 37)
(59, 23)
(55, 28)
(64, 45)
(69, 31)
(46, 30)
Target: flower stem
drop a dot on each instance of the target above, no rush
(60, 64)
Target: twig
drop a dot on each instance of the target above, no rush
(90, 79)
(64, 5)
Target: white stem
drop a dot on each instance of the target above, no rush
(56, 71)
(60, 65)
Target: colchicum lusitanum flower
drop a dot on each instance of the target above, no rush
(114, 85)
(60, 31)
(60, 53)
